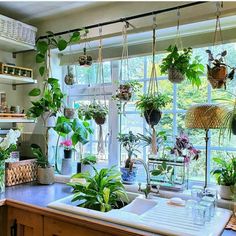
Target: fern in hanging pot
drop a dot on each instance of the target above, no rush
(179, 65)
(150, 106)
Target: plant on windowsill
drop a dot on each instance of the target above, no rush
(151, 105)
(178, 65)
(130, 142)
(68, 148)
(225, 174)
(45, 171)
(87, 162)
(217, 72)
(102, 191)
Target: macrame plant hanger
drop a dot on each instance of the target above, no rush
(101, 92)
(178, 40)
(153, 86)
(124, 67)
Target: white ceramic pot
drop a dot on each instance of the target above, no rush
(46, 175)
(87, 168)
(226, 192)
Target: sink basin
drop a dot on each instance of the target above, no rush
(153, 215)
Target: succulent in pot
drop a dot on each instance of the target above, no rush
(130, 142)
(45, 171)
(151, 105)
(217, 72)
(225, 174)
(179, 65)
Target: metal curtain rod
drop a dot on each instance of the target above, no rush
(125, 19)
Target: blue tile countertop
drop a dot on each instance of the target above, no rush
(42, 195)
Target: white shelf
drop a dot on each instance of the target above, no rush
(11, 45)
(16, 80)
(16, 120)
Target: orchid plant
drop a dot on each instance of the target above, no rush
(8, 144)
(67, 144)
(183, 148)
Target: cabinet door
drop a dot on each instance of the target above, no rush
(53, 227)
(3, 215)
(24, 223)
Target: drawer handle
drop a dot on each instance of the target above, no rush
(14, 229)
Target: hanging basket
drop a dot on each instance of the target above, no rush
(175, 76)
(233, 126)
(217, 76)
(100, 120)
(152, 116)
(85, 60)
(124, 92)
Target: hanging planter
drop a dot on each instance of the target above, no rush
(152, 117)
(69, 78)
(100, 120)
(175, 76)
(233, 125)
(85, 60)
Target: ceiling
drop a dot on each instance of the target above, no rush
(28, 11)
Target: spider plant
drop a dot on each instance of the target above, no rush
(102, 191)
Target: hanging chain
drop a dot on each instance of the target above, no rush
(124, 74)
(153, 86)
(218, 25)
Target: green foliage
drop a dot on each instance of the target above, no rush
(89, 159)
(129, 141)
(42, 160)
(181, 61)
(134, 85)
(93, 111)
(78, 129)
(164, 170)
(50, 101)
(225, 173)
(102, 192)
(42, 47)
(152, 102)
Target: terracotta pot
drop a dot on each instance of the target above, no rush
(152, 116)
(217, 76)
(100, 120)
(46, 175)
(69, 113)
(233, 125)
(175, 76)
(226, 192)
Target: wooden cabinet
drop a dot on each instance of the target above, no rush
(53, 227)
(3, 216)
(23, 223)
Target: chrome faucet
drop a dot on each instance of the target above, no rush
(148, 189)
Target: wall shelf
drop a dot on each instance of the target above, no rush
(16, 80)
(16, 120)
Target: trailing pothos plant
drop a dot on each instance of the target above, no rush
(102, 191)
(179, 64)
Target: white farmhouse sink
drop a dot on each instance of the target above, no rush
(153, 215)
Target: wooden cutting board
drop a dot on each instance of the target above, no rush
(12, 115)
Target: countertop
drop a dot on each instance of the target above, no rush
(42, 195)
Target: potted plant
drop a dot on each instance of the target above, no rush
(87, 162)
(67, 145)
(130, 142)
(45, 171)
(217, 72)
(85, 60)
(7, 145)
(151, 105)
(110, 193)
(69, 112)
(225, 174)
(178, 65)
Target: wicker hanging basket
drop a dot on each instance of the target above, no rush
(175, 76)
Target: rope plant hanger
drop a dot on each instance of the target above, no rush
(101, 110)
(217, 70)
(174, 75)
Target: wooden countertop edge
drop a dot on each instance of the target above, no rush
(98, 225)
